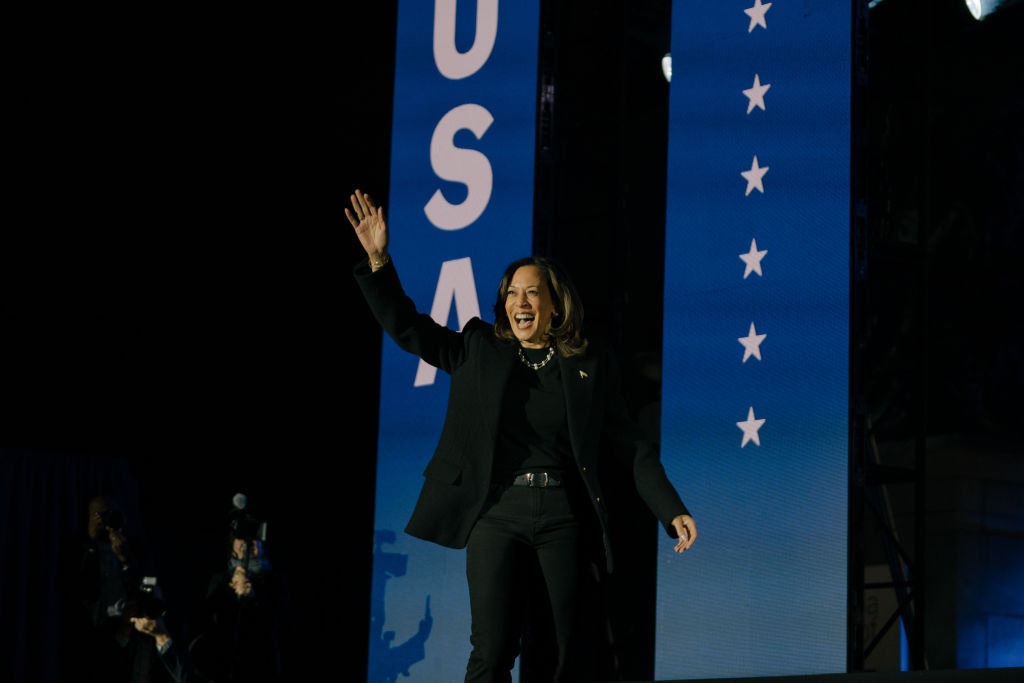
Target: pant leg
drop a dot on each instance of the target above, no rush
(495, 554)
(558, 543)
(522, 526)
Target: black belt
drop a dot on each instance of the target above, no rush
(537, 480)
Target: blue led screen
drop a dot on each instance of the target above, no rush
(460, 209)
(756, 362)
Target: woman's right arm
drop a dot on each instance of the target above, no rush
(414, 332)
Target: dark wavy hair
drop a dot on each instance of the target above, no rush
(566, 333)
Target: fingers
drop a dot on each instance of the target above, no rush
(691, 532)
(363, 207)
(686, 530)
(356, 206)
(365, 203)
(144, 625)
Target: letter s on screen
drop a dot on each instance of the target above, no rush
(466, 166)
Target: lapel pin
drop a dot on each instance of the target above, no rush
(583, 374)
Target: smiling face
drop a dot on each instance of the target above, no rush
(529, 307)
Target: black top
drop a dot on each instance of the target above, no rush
(533, 431)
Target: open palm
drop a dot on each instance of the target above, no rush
(368, 222)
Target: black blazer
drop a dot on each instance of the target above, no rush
(458, 476)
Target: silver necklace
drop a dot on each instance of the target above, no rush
(536, 366)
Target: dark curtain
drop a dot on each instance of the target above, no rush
(44, 497)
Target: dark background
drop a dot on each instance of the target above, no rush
(177, 295)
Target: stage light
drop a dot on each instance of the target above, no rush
(980, 9)
(666, 67)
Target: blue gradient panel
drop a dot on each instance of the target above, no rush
(755, 377)
(461, 205)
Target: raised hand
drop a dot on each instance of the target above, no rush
(368, 222)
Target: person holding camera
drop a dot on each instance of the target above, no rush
(240, 636)
(147, 643)
(107, 566)
(123, 636)
(99, 583)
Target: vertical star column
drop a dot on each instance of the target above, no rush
(755, 348)
(755, 180)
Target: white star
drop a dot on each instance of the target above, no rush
(756, 94)
(753, 260)
(750, 427)
(753, 177)
(752, 344)
(756, 14)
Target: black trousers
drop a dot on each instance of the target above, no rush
(524, 529)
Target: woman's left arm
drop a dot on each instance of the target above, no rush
(649, 475)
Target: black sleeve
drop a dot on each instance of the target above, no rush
(641, 455)
(414, 332)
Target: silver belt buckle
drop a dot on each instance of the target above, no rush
(530, 478)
